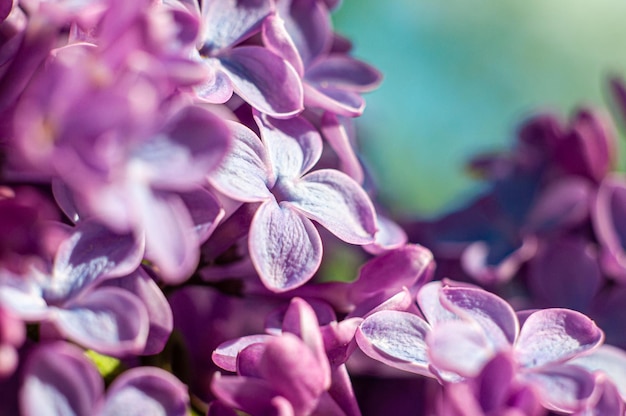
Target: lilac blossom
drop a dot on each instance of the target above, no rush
(466, 326)
(260, 77)
(284, 245)
(60, 380)
(297, 369)
(301, 32)
(67, 296)
(12, 336)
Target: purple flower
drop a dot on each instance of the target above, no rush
(299, 370)
(59, 380)
(107, 319)
(12, 336)
(284, 245)
(260, 77)
(301, 32)
(465, 327)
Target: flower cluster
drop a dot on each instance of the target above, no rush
(172, 174)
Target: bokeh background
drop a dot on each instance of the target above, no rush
(460, 76)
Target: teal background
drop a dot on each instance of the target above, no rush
(460, 75)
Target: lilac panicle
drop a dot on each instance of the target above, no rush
(284, 245)
(59, 380)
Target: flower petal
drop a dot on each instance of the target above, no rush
(397, 339)
(244, 174)
(225, 355)
(277, 39)
(91, 252)
(252, 395)
(562, 388)
(555, 335)
(343, 103)
(460, 347)
(492, 313)
(285, 247)
(108, 320)
(225, 23)
(337, 131)
(294, 146)
(205, 211)
(343, 72)
(59, 380)
(146, 391)
(338, 203)
(264, 80)
(609, 360)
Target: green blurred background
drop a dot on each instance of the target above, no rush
(460, 75)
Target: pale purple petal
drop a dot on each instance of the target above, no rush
(277, 39)
(146, 391)
(90, 253)
(609, 360)
(610, 402)
(225, 355)
(397, 339)
(59, 380)
(388, 237)
(249, 359)
(264, 80)
(344, 103)
(23, 296)
(159, 311)
(216, 88)
(338, 203)
(244, 174)
(171, 243)
(294, 146)
(561, 387)
(309, 25)
(226, 22)
(285, 247)
(343, 72)
(555, 335)
(496, 317)
(184, 152)
(108, 320)
(460, 347)
(430, 305)
(205, 211)
(336, 131)
(342, 393)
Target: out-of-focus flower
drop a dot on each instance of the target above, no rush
(59, 380)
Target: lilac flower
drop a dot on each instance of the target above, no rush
(301, 32)
(284, 245)
(110, 320)
(465, 327)
(263, 79)
(298, 371)
(59, 380)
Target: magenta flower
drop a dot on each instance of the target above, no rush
(284, 245)
(298, 370)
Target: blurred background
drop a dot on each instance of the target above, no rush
(461, 75)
